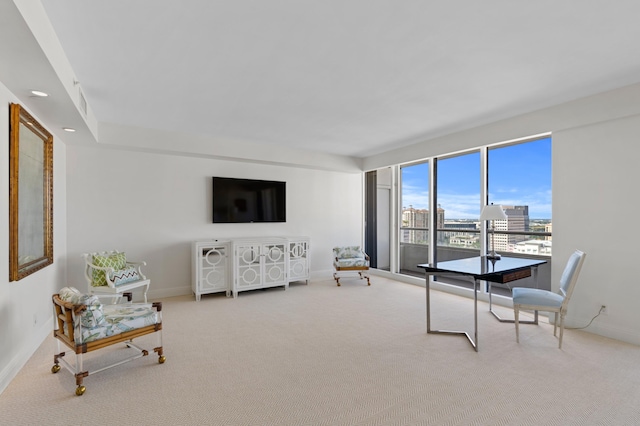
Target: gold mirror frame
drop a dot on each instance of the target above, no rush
(30, 195)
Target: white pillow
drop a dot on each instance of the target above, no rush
(70, 294)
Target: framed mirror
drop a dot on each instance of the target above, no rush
(30, 195)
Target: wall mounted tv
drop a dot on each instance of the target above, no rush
(248, 200)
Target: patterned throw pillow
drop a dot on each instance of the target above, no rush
(116, 261)
(93, 316)
(124, 276)
(70, 294)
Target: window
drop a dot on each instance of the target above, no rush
(414, 218)
(517, 175)
(458, 200)
(519, 179)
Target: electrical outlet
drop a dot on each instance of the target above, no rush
(603, 309)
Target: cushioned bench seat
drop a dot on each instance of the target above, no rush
(118, 319)
(347, 263)
(84, 324)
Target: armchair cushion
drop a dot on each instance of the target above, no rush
(119, 319)
(117, 261)
(98, 321)
(536, 297)
(349, 262)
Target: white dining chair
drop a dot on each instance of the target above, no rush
(535, 299)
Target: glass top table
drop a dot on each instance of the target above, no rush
(477, 269)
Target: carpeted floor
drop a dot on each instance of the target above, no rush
(319, 354)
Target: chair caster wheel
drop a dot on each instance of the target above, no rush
(55, 368)
(162, 359)
(80, 390)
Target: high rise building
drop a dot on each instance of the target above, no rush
(517, 220)
(418, 218)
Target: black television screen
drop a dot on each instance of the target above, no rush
(248, 200)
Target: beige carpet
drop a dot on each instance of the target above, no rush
(319, 354)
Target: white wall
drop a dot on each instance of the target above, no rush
(595, 176)
(25, 305)
(596, 209)
(153, 206)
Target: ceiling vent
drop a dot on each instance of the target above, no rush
(83, 102)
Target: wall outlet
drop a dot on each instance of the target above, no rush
(603, 310)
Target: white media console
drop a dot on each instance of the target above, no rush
(240, 264)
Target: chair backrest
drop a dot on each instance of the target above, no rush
(570, 275)
(348, 252)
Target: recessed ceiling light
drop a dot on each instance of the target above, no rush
(69, 129)
(39, 93)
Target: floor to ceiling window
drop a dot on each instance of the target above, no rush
(458, 200)
(519, 179)
(414, 218)
(439, 202)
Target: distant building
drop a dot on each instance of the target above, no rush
(460, 225)
(534, 247)
(547, 228)
(418, 218)
(517, 220)
(459, 237)
(464, 240)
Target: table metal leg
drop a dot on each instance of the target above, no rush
(474, 340)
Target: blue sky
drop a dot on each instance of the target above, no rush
(518, 175)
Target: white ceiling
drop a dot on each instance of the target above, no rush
(350, 77)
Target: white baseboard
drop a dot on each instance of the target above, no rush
(9, 372)
(603, 330)
(169, 292)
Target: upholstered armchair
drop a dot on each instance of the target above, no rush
(110, 273)
(348, 260)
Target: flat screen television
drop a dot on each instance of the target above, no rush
(248, 200)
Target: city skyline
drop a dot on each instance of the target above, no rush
(518, 175)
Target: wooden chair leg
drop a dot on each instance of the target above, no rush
(80, 389)
(561, 330)
(161, 357)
